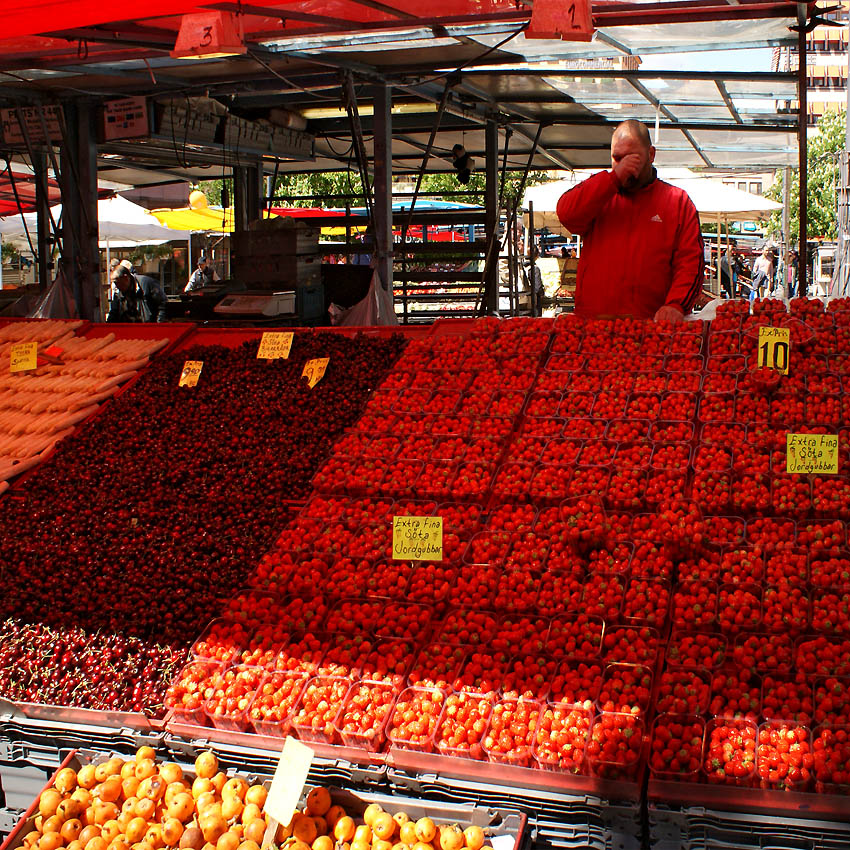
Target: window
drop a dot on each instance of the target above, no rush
(742, 185)
(755, 188)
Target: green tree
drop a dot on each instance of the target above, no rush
(822, 169)
(328, 184)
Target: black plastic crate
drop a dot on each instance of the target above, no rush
(705, 829)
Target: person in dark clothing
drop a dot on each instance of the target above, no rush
(126, 299)
(204, 275)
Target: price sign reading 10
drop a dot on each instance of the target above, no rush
(774, 348)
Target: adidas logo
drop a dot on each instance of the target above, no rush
(657, 218)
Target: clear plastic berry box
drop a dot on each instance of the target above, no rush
(226, 711)
(185, 697)
(615, 745)
(729, 756)
(220, 642)
(414, 719)
(365, 713)
(561, 738)
(463, 725)
(676, 747)
(510, 733)
(270, 712)
(321, 701)
(784, 757)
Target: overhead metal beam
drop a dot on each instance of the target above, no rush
(724, 93)
(381, 7)
(283, 13)
(556, 159)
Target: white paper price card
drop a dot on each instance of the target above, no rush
(275, 345)
(191, 372)
(288, 781)
(314, 370)
(24, 356)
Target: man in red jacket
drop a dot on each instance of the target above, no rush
(642, 250)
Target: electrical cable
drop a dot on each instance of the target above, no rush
(14, 186)
(280, 76)
(476, 59)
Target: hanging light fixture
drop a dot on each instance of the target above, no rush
(209, 35)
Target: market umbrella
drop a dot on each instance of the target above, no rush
(712, 200)
(120, 224)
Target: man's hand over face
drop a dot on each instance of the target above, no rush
(627, 169)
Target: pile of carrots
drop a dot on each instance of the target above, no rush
(41, 406)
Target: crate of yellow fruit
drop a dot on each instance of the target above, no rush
(335, 819)
(98, 802)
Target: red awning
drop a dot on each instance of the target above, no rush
(24, 184)
(305, 212)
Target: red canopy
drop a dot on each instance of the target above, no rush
(305, 212)
(25, 185)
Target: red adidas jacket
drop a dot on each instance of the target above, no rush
(639, 251)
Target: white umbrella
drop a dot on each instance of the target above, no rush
(121, 224)
(712, 199)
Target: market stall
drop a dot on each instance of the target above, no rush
(639, 593)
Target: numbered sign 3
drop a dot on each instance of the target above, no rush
(314, 370)
(774, 349)
(569, 20)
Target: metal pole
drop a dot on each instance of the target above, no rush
(491, 202)
(42, 204)
(786, 217)
(383, 222)
(532, 264)
(717, 260)
(802, 286)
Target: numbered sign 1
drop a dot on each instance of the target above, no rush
(191, 372)
(569, 20)
(23, 357)
(314, 370)
(774, 349)
(807, 454)
(275, 345)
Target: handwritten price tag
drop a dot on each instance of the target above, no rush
(808, 453)
(191, 372)
(314, 370)
(775, 348)
(417, 538)
(288, 781)
(24, 356)
(275, 345)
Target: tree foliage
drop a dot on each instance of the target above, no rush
(823, 150)
(329, 188)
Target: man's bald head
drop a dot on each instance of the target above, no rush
(636, 129)
(632, 155)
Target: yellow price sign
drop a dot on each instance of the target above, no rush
(811, 453)
(775, 348)
(191, 372)
(417, 538)
(24, 356)
(275, 345)
(314, 370)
